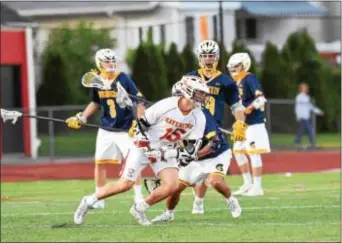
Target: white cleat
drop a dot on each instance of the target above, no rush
(254, 192)
(165, 217)
(81, 211)
(198, 207)
(98, 205)
(234, 207)
(140, 216)
(243, 189)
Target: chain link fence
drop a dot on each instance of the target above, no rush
(57, 141)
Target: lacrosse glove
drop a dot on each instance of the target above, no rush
(239, 131)
(75, 122)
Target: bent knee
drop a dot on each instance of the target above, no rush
(216, 180)
(125, 184)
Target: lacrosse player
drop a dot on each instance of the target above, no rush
(156, 138)
(222, 90)
(111, 147)
(213, 161)
(257, 141)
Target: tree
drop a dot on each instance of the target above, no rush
(75, 48)
(189, 59)
(55, 89)
(275, 83)
(224, 57)
(175, 65)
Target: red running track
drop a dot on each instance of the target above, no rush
(277, 162)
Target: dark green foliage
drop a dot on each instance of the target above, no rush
(189, 59)
(175, 65)
(74, 50)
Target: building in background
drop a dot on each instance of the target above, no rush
(17, 83)
(188, 22)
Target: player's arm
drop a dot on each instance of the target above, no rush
(75, 122)
(259, 98)
(231, 93)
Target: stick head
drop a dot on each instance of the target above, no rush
(93, 80)
(10, 115)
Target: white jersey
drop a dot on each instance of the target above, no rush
(169, 125)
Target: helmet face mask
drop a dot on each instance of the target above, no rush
(208, 54)
(194, 89)
(106, 61)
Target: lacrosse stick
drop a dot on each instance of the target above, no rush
(13, 116)
(225, 131)
(93, 80)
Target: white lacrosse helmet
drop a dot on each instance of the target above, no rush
(241, 58)
(194, 89)
(176, 89)
(208, 47)
(104, 56)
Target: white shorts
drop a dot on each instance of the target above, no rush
(257, 141)
(197, 171)
(111, 147)
(136, 161)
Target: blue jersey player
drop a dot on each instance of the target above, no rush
(213, 159)
(111, 147)
(223, 90)
(257, 141)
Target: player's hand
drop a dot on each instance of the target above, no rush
(140, 139)
(154, 155)
(75, 122)
(183, 162)
(239, 131)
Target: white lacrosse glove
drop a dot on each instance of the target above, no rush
(140, 138)
(10, 115)
(160, 154)
(122, 98)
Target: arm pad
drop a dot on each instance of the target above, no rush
(259, 102)
(237, 107)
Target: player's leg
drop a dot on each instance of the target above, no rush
(198, 204)
(134, 164)
(171, 203)
(242, 162)
(105, 153)
(259, 145)
(190, 175)
(124, 142)
(218, 168)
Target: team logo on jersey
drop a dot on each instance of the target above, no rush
(219, 167)
(252, 144)
(178, 124)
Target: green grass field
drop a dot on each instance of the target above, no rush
(303, 207)
(83, 143)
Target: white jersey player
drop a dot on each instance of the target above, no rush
(162, 126)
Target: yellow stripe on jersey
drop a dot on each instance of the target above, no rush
(219, 173)
(106, 161)
(210, 135)
(184, 182)
(201, 74)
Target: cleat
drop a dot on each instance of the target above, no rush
(234, 207)
(254, 192)
(98, 205)
(81, 211)
(140, 216)
(243, 189)
(198, 207)
(165, 217)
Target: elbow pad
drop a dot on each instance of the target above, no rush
(259, 102)
(237, 107)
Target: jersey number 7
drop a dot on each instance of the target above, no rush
(173, 135)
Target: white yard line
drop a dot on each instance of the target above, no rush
(195, 224)
(179, 210)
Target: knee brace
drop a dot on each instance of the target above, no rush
(241, 159)
(256, 161)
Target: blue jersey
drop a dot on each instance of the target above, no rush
(249, 90)
(222, 90)
(113, 116)
(212, 130)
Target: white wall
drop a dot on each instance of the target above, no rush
(277, 30)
